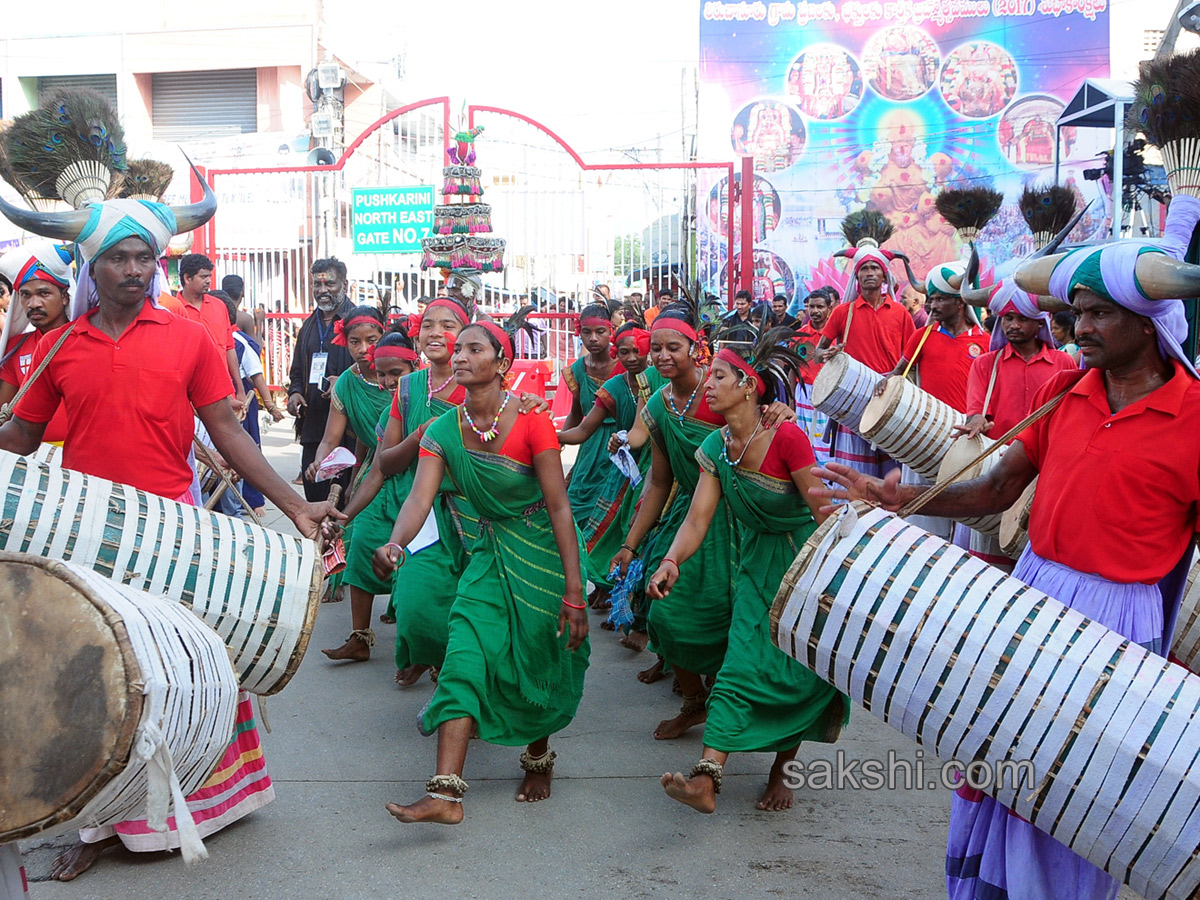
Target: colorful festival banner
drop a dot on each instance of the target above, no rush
(884, 103)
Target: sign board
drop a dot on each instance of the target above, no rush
(391, 219)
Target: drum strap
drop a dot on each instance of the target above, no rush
(928, 330)
(6, 411)
(987, 398)
(1001, 443)
(849, 318)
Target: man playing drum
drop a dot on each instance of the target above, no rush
(1122, 447)
(129, 373)
(873, 328)
(942, 353)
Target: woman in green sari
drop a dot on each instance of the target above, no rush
(393, 359)
(517, 648)
(420, 397)
(617, 401)
(763, 700)
(584, 378)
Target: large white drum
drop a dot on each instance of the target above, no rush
(1014, 523)
(255, 587)
(100, 682)
(842, 389)
(1185, 646)
(975, 665)
(911, 426)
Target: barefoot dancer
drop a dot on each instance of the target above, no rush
(517, 651)
(361, 399)
(763, 700)
(116, 429)
(584, 378)
(419, 397)
(617, 401)
(690, 627)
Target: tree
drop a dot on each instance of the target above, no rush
(628, 255)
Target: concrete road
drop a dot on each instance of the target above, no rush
(344, 743)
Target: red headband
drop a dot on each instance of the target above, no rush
(741, 365)
(447, 303)
(593, 322)
(340, 329)
(506, 347)
(394, 351)
(675, 325)
(640, 336)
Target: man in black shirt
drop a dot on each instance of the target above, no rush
(779, 306)
(316, 363)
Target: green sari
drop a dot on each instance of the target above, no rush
(590, 470)
(423, 589)
(605, 529)
(763, 700)
(363, 405)
(504, 666)
(690, 626)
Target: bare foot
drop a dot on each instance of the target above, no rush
(72, 863)
(670, 729)
(410, 675)
(428, 809)
(606, 625)
(534, 787)
(332, 596)
(354, 650)
(635, 641)
(653, 674)
(599, 601)
(695, 792)
(777, 796)
(387, 618)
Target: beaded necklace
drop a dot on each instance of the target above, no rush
(691, 399)
(733, 464)
(441, 387)
(491, 433)
(357, 371)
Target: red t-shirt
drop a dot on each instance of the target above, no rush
(1117, 495)
(532, 433)
(129, 402)
(945, 362)
(15, 370)
(1016, 383)
(877, 336)
(213, 314)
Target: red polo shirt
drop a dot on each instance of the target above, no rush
(806, 334)
(129, 402)
(1117, 495)
(15, 370)
(212, 314)
(1016, 383)
(877, 336)
(944, 361)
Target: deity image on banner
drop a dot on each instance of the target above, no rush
(769, 131)
(978, 80)
(901, 62)
(825, 82)
(771, 276)
(1026, 131)
(765, 206)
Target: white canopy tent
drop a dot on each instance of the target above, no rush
(1100, 103)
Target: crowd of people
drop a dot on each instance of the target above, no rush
(702, 466)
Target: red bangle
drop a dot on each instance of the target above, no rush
(572, 605)
(671, 561)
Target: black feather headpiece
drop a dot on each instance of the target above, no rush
(866, 227)
(1166, 108)
(72, 148)
(968, 210)
(146, 179)
(1046, 210)
(772, 357)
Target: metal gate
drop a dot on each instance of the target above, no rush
(571, 226)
